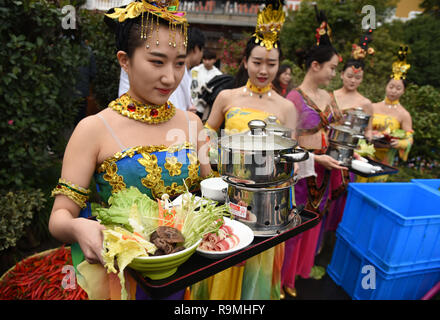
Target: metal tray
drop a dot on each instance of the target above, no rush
(385, 170)
(197, 267)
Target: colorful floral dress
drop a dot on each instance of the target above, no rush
(313, 191)
(154, 170)
(259, 278)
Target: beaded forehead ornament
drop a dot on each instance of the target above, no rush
(148, 10)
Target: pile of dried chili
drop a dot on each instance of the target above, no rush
(42, 277)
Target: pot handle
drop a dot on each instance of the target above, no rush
(301, 155)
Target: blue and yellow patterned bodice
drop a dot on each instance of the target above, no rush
(154, 170)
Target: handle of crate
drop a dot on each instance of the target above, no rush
(371, 202)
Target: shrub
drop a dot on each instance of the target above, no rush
(423, 103)
(38, 69)
(16, 212)
(102, 41)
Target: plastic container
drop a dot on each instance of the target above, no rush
(363, 280)
(396, 224)
(432, 184)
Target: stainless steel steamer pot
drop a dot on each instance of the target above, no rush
(267, 211)
(342, 153)
(358, 120)
(257, 158)
(344, 135)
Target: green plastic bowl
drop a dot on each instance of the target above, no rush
(162, 267)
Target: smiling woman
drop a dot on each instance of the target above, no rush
(132, 142)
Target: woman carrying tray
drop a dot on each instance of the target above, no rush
(133, 142)
(253, 98)
(390, 119)
(348, 98)
(317, 109)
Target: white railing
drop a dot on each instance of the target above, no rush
(104, 5)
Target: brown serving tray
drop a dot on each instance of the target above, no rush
(197, 267)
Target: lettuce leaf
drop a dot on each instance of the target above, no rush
(130, 209)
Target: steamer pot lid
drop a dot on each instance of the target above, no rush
(273, 126)
(358, 112)
(257, 139)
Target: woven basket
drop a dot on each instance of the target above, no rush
(38, 254)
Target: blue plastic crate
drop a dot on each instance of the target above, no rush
(432, 184)
(396, 224)
(363, 280)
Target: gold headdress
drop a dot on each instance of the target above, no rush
(164, 9)
(269, 23)
(400, 67)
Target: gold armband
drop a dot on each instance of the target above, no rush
(75, 193)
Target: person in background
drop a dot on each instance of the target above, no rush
(252, 98)
(283, 81)
(181, 97)
(316, 110)
(86, 76)
(348, 98)
(201, 75)
(391, 119)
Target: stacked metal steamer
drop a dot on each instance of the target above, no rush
(344, 138)
(258, 167)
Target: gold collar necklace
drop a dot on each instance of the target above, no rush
(257, 90)
(151, 114)
(391, 104)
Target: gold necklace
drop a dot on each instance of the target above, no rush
(151, 114)
(254, 89)
(391, 104)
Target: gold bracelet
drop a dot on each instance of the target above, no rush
(75, 193)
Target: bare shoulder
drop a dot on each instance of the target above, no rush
(405, 113)
(88, 131)
(283, 102)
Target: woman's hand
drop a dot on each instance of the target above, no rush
(328, 162)
(89, 236)
(394, 143)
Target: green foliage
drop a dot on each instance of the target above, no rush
(406, 174)
(422, 35)
(345, 20)
(102, 41)
(16, 212)
(38, 71)
(423, 103)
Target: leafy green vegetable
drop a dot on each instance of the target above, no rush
(130, 209)
(364, 149)
(398, 133)
(199, 217)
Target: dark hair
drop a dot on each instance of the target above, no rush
(354, 63)
(320, 54)
(276, 81)
(242, 75)
(195, 39)
(208, 54)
